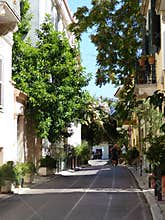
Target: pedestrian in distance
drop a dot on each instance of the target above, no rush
(123, 152)
(123, 149)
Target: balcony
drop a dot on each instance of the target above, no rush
(145, 79)
(9, 16)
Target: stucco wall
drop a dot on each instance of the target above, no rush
(8, 131)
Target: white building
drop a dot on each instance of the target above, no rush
(9, 18)
(60, 15)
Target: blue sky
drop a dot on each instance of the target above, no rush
(88, 56)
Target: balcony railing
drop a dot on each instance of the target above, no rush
(145, 72)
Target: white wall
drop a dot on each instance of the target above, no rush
(75, 139)
(60, 19)
(8, 132)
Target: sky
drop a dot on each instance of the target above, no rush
(88, 57)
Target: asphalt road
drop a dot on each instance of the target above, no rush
(95, 193)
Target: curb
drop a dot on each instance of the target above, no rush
(5, 196)
(17, 191)
(154, 206)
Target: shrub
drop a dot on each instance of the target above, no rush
(8, 171)
(21, 169)
(24, 168)
(48, 162)
(131, 155)
(156, 153)
(1, 178)
(83, 153)
(29, 167)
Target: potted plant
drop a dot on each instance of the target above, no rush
(28, 171)
(8, 177)
(47, 166)
(25, 172)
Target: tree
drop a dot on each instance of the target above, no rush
(52, 77)
(117, 32)
(98, 126)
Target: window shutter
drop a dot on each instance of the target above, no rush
(150, 32)
(154, 29)
(146, 44)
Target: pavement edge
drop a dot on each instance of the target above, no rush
(156, 211)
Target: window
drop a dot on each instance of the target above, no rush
(1, 83)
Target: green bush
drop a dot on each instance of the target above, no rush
(131, 155)
(21, 169)
(1, 178)
(29, 167)
(48, 162)
(24, 168)
(83, 153)
(8, 172)
(156, 153)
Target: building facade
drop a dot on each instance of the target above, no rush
(9, 19)
(151, 76)
(60, 15)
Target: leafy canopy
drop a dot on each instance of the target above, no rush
(52, 78)
(116, 27)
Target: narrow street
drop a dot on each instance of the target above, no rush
(94, 193)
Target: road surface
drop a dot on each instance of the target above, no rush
(93, 193)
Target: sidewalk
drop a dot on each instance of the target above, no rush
(37, 181)
(157, 207)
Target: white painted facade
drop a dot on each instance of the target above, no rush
(9, 17)
(75, 139)
(60, 16)
(7, 125)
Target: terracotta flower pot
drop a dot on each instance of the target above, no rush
(151, 60)
(28, 178)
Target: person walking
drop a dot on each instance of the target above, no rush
(123, 149)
